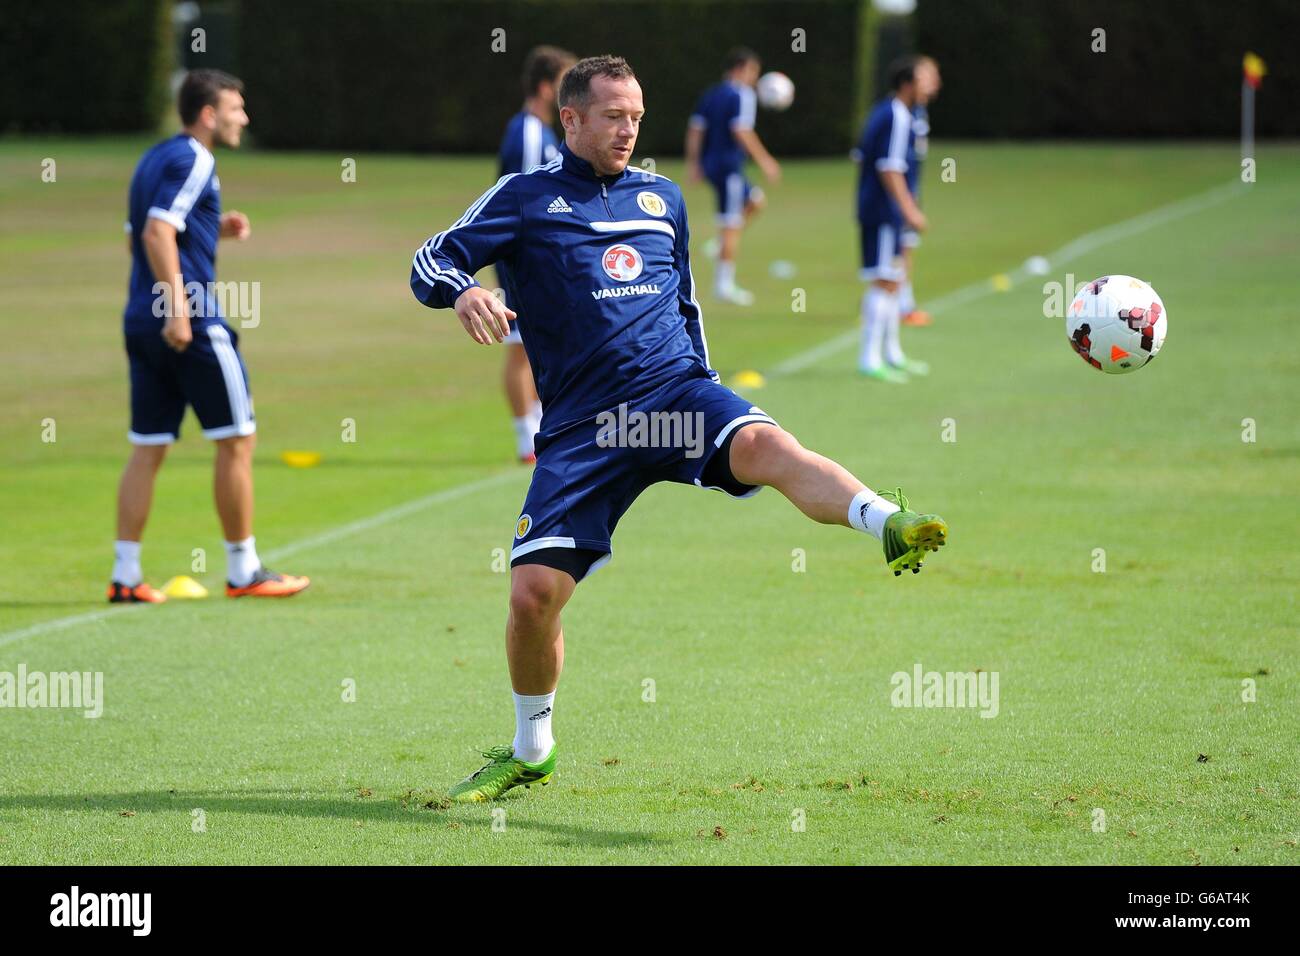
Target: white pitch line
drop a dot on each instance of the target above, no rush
(797, 363)
(1071, 250)
(392, 514)
(60, 623)
(969, 293)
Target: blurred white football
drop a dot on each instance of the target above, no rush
(775, 91)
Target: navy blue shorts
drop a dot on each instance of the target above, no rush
(209, 376)
(733, 191)
(589, 474)
(882, 250)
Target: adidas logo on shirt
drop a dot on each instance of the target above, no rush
(559, 205)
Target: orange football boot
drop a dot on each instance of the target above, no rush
(917, 317)
(140, 594)
(267, 583)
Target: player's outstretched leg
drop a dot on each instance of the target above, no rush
(763, 454)
(535, 648)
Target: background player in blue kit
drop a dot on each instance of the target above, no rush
(529, 141)
(885, 152)
(718, 137)
(928, 84)
(615, 335)
(181, 351)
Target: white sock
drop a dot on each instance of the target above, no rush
(877, 307)
(524, 432)
(535, 416)
(126, 563)
(893, 349)
(868, 511)
(533, 739)
(906, 301)
(724, 277)
(241, 561)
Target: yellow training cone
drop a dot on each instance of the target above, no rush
(1001, 282)
(749, 379)
(300, 459)
(184, 587)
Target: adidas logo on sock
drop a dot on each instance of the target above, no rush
(559, 205)
(540, 714)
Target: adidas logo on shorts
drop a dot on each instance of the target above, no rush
(559, 205)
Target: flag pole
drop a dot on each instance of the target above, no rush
(1247, 120)
(1252, 72)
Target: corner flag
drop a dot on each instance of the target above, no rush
(1252, 73)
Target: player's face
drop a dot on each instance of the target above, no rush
(750, 72)
(229, 118)
(605, 134)
(928, 82)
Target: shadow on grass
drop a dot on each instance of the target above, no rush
(566, 834)
(414, 806)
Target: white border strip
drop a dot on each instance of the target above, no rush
(520, 550)
(636, 225)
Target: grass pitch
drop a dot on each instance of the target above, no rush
(771, 736)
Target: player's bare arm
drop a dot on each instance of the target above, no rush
(159, 241)
(896, 185)
(758, 152)
(694, 140)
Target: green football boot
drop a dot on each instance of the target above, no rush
(885, 373)
(500, 773)
(909, 535)
(912, 367)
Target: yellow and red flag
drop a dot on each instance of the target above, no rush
(1253, 69)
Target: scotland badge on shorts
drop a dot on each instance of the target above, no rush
(523, 527)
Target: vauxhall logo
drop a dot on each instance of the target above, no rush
(622, 262)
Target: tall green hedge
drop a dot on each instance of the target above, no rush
(421, 74)
(84, 65)
(1016, 68)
